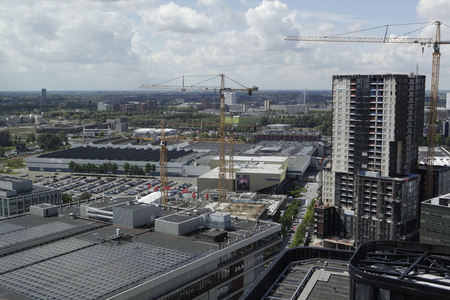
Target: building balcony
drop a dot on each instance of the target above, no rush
(388, 212)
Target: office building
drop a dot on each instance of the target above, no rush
(43, 96)
(230, 98)
(206, 103)
(377, 123)
(18, 194)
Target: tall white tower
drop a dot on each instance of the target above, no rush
(230, 98)
(447, 103)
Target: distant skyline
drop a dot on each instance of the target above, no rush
(121, 44)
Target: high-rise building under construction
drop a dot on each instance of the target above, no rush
(370, 189)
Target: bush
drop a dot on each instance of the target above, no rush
(15, 164)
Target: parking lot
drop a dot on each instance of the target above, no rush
(101, 187)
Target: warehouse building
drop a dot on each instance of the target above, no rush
(251, 173)
(18, 194)
(191, 254)
(59, 161)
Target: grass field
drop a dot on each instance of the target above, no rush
(19, 130)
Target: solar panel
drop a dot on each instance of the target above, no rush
(33, 233)
(7, 227)
(91, 272)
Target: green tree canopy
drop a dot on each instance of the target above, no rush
(48, 141)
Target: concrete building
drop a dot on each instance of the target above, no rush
(297, 109)
(255, 174)
(435, 220)
(103, 106)
(206, 103)
(377, 270)
(377, 123)
(279, 126)
(183, 254)
(280, 135)
(43, 96)
(18, 194)
(230, 98)
(5, 139)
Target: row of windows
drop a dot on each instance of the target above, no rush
(248, 248)
(200, 285)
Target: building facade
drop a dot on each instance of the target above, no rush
(17, 195)
(377, 123)
(43, 96)
(435, 221)
(230, 98)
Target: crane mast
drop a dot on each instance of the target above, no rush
(222, 141)
(436, 42)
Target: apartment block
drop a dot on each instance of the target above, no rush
(377, 123)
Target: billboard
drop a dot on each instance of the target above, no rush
(243, 182)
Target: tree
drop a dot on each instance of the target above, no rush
(447, 141)
(32, 120)
(62, 136)
(141, 171)
(114, 168)
(440, 140)
(85, 196)
(66, 198)
(101, 134)
(48, 141)
(72, 165)
(148, 168)
(31, 137)
(134, 169)
(126, 168)
(204, 135)
(2, 151)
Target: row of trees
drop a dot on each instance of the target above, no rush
(129, 169)
(308, 219)
(287, 219)
(110, 167)
(91, 168)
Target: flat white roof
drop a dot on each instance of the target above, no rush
(268, 159)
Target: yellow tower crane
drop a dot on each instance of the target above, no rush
(60, 118)
(436, 42)
(222, 139)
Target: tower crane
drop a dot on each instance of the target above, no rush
(436, 42)
(163, 154)
(222, 140)
(60, 119)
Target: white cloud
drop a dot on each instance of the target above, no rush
(434, 9)
(271, 22)
(209, 3)
(173, 20)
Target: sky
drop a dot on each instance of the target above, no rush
(122, 44)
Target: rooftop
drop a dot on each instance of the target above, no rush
(44, 257)
(93, 153)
